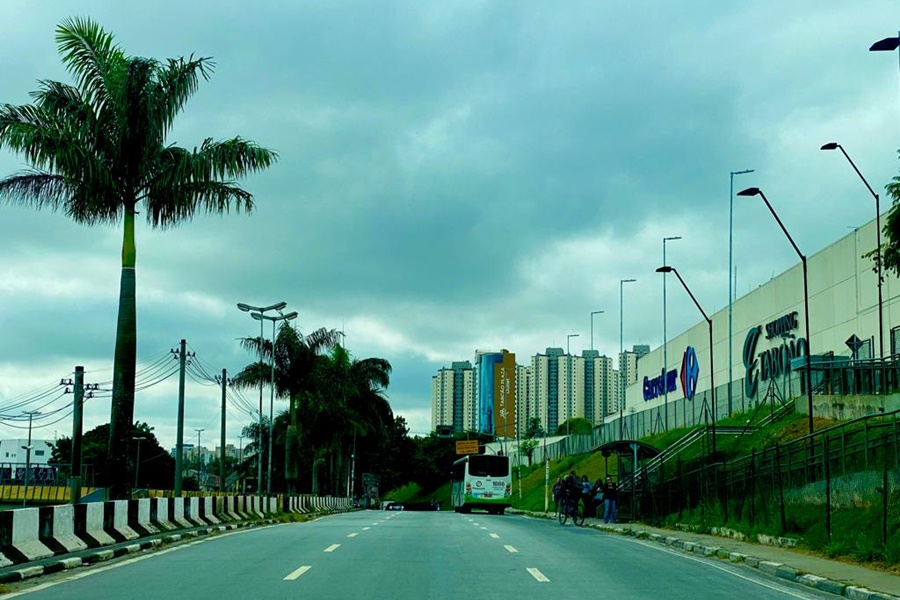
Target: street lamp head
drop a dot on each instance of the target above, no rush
(674, 237)
(665, 269)
(243, 307)
(751, 191)
(290, 316)
(830, 146)
(627, 280)
(886, 45)
(262, 309)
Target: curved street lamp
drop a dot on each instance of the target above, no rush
(836, 146)
(712, 369)
(809, 399)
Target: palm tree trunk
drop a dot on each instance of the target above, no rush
(291, 447)
(122, 411)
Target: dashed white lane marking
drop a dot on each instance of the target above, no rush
(366, 528)
(495, 536)
(295, 574)
(475, 524)
(332, 547)
(352, 534)
(510, 549)
(535, 572)
(485, 528)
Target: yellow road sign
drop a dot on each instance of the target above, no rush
(467, 447)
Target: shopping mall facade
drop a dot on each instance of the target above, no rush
(769, 345)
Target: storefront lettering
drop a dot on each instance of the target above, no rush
(661, 384)
(772, 362)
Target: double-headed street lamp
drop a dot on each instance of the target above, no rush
(260, 317)
(665, 335)
(836, 146)
(712, 368)
(260, 309)
(809, 399)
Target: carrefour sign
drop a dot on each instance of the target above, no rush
(660, 385)
(668, 382)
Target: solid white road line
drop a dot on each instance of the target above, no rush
(510, 549)
(332, 547)
(295, 574)
(537, 575)
(495, 536)
(352, 534)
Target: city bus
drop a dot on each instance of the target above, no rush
(481, 481)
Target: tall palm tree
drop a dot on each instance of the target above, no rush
(98, 149)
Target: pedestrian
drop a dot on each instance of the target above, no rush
(610, 498)
(586, 494)
(597, 494)
(557, 488)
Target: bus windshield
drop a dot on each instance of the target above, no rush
(488, 466)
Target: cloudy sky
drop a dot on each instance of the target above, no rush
(453, 176)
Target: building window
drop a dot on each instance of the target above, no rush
(895, 340)
(865, 351)
(38, 452)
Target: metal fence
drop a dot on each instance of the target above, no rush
(852, 465)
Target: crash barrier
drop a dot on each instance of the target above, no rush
(28, 534)
(39, 493)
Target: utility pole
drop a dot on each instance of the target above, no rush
(179, 438)
(222, 442)
(27, 449)
(78, 393)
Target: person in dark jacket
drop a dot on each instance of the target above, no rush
(610, 499)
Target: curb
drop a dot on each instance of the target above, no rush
(774, 569)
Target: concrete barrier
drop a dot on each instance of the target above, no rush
(139, 517)
(159, 514)
(255, 508)
(229, 505)
(207, 512)
(19, 535)
(57, 529)
(115, 521)
(192, 511)
(219, 508)
(273, 506)
(176, 513)
(89, 524)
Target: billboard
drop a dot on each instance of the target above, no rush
(505, 396)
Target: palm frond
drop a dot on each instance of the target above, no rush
(92, 57)
(36, 189)
(176, 82)
(230, 159)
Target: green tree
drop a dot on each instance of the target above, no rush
(575, 426)
(534, 428)
(157, 468)
(98, 150)
(527, 446)
(891, 246)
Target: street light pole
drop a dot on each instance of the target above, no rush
(594, 312)
(622, 368)
(241, 462)
(260, 317)
(261, 310)
(569, 367)
(731, 281)
(758, 192)
(666, 336)
(27, 450)
(712, 367)
(833, 146)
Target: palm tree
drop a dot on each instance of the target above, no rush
(98, 149)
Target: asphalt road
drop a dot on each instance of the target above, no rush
(412, 555)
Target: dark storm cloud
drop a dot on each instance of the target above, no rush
(459, 176)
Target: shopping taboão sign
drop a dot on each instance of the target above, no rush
(771, 362)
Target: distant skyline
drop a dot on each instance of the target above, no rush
(452, 177)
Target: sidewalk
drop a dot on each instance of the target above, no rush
(844, 579)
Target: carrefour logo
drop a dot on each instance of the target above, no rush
(690, 373)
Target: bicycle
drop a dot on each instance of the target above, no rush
(570, 507)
